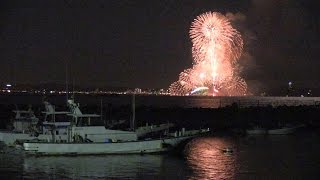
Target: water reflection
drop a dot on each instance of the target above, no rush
(207, 159)
(262, 157)
(132, 166)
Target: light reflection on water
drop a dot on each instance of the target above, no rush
(207, 159)
(266, 157)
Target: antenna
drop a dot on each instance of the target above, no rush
(73, 87)
(67, 80)
(13, 79)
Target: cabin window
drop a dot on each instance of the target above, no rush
(57, 132)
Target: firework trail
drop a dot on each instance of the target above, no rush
(217, 46)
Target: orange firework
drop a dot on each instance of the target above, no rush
(216, 48)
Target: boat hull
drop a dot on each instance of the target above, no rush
(131, 147)
(256, 132)
(284, 130)
(278, 131)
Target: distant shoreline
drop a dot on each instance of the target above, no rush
(161, 101)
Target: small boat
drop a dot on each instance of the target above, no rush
(284, 130)
(256, 131)
(227, 150)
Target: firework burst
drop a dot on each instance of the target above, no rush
(217, 47)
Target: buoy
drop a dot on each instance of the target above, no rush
(227, 150)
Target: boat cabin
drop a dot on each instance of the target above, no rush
(78, 119)
(92, 127)
(56, 122)
(24, 120)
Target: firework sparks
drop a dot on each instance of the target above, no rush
(217, 46)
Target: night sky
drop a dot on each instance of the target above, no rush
(146, 43)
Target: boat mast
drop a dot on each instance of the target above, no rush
(101, 110)
(133, 111)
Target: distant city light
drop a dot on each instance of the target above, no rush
(8, 85)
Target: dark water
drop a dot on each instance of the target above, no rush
(159, 101)
(270, 157)
(122, 100)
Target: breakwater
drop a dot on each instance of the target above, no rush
(162, 101)
(233, 115)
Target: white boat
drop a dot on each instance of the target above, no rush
(120, 147)
(86, 139)
(26, 126)
(256, 131)
(284, 130)
(288, 129)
